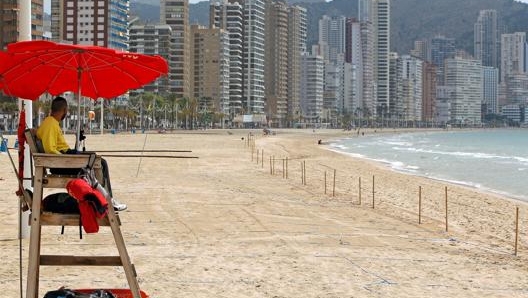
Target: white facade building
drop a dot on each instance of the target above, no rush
(253, 56)
(312, 87)
(465, 77)
(230, 17)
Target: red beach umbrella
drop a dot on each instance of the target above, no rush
(31, 68)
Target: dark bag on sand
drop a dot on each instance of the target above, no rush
(65, 293)
(60, 203)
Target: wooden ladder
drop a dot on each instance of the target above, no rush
(39, 218)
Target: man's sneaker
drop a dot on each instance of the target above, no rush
(119, 206)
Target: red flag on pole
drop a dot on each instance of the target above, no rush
(21, 145)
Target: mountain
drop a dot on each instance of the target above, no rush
(411, 19)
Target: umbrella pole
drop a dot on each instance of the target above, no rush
(78, 132)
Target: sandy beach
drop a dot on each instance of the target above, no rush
(224, 226)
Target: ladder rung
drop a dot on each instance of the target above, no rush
(58, 219)
(63, 260)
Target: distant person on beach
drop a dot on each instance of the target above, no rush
(52, 138)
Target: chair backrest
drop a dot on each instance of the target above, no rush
(35, 145)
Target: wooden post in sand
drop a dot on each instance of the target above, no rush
(359, 190)
(273, 166)
(283, 168)
(262, 159)
(325, 182)
(257, 156)
(286, 167)
(333, 189)
(516, 229)
(447, 227)
(304, 167)
(252, 152)
(419, 205)
(271, 169)
(302, 173)
(372, 191)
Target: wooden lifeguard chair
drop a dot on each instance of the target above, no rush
(39, 218)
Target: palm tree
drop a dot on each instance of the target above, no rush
(149, 101)
(172, 101)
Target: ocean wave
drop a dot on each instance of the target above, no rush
(476, 155)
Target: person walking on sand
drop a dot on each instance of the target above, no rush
(52, 138)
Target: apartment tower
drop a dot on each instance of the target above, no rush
(429, 91)
(332, 32)
(513, 55)
(210, 68)
(487, 41)
(382, 47)
(152, 40)
(297, 26)
(8, 22)
(175, 13)
(312, 87)
(100, 23)
(230, 18)
(277, 56)
(440, 48)
(464, 78)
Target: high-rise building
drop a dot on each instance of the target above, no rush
(332, 32)
(487, 41)
(253, 56)
(429, 92)
(277, 56)
(490, 92)
(420, 49)
(354, 56)
(369, 84)
(312, 87)
(210, 68)
(152, 40)
(365, 10)
(100, 23)
(37, 19)
(230, 17)
(440, 48)
(333, 95)
(9, 19)
(410, 74)
(513, 54)
(381, 21)
(175, 13)
(395, 89)
(464, 76)
(517, 89)
(297, 27)
(8, 22)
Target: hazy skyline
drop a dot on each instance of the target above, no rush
(47, 3)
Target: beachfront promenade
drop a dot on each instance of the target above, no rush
(224, 226)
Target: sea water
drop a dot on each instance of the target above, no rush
(492, 160)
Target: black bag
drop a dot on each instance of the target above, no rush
(60, 202)
(65, 293)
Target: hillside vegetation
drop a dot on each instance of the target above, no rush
(410, 19)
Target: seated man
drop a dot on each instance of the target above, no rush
(50, 133)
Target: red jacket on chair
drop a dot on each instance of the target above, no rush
(92, 204)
